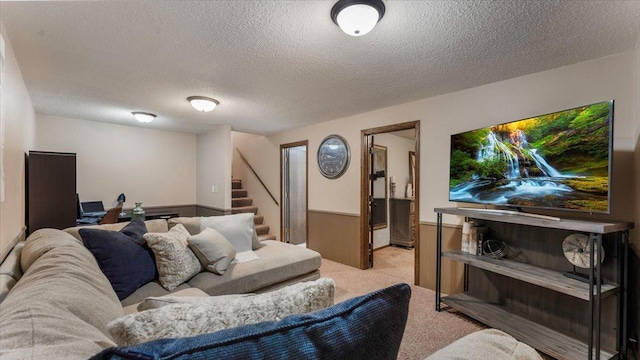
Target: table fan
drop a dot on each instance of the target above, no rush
(576, 249)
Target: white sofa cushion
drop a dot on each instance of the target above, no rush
(195, 224)
(239, 229)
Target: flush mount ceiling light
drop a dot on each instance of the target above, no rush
(143, 117)
(357, 17)
(202, 103)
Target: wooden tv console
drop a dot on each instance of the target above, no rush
(529, 297)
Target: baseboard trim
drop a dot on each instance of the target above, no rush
(203, 210)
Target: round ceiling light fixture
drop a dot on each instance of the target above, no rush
(202, 103)
(143, 117)
(357, 17)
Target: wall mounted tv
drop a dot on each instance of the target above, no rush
(560, 160)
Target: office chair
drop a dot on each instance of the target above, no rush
(112, 216)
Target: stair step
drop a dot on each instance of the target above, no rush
(238, 193)
(244, 209)
(266, 237)
(240, 202)
(262, 229)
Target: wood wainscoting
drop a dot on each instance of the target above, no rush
(336, 236)
(452, 271)
(201, 210)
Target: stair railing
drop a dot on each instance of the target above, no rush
(257, 176)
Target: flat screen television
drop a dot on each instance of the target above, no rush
(560, 160)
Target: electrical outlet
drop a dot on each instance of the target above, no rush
(213, 189)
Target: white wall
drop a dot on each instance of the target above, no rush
(214, 168)
(440, 116)
(253, 148)
(155, 167)
(17, 117)
(398, 166)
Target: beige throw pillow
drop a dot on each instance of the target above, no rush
(182, 320)
(239, 229)
(192, 224)
(213, 250)
(175, 262)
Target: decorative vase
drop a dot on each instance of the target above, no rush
(409, 193)
(138, 212)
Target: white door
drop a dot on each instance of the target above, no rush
(294, 190)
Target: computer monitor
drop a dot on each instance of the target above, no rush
(92, 207)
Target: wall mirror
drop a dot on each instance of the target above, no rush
(379, 208)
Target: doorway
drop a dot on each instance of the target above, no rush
(399, 175)
(293, 193)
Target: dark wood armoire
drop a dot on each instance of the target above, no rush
(51, 190)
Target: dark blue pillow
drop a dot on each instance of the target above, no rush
(124, 257)
(136, 230)
(365, 327)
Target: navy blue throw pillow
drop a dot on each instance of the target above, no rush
(136, 230)
(365, 327)
(123, 256)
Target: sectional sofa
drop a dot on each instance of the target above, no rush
(56, 301)
(280, 264)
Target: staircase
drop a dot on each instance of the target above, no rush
(240, 203)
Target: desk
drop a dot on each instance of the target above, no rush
(150, 215)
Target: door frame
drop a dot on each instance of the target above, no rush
(364, 191)
(306, 205)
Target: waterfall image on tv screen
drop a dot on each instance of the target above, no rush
(560, 160)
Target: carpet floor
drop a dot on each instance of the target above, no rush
(427, 330)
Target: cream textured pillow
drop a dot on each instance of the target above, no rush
(175, 262)
(156, 302)
(213, 250)
(182, 320)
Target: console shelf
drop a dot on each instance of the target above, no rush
(536, 275)
(552, 342)
(522, 219)
(530, 298)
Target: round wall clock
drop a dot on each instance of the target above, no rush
(333, 156)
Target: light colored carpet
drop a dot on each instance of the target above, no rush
(427, 330)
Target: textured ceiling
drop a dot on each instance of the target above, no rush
(277, 65)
